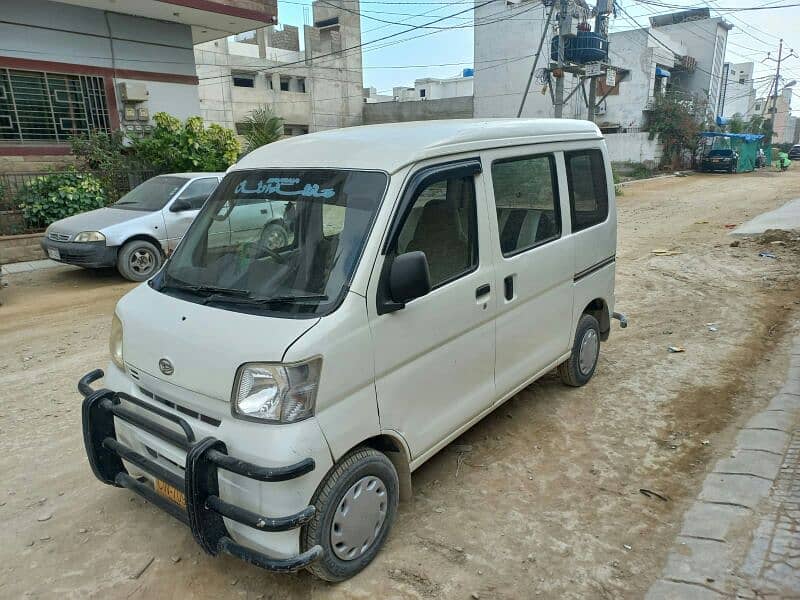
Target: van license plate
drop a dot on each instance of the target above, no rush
(171, 493)
(54, 253)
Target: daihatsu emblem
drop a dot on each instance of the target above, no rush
(166, 366)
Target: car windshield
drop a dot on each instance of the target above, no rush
(151, 195)
(276, 241)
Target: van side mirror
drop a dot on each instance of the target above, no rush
(180, 206)
(409, 277)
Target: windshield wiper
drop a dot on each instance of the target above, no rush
(262, 300)
(207, 289)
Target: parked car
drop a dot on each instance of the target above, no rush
(135, 233)
(277, 399)
(794, 152)
(720, 159)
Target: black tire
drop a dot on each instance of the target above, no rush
(360, 463)
(571, 371)
(139, 260)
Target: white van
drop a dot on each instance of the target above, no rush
(277, 399)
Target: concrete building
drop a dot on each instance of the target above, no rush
(681, 51)
(429, 88)
(783, 125)
(429, 99)
(738, 93)
(74, 65)
(314, 88)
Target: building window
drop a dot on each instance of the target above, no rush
(244, 80)
(285, 84)
(301, 84)
(37, 106)
(422, 93)
(292, 130)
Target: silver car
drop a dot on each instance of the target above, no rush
(137, 232)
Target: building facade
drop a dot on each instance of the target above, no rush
(314, 88)
(429, 88)
(779, 109)
(68, 67)
(738, 92)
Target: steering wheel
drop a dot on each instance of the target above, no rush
(261, 249)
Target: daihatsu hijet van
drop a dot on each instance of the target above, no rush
(277, 399)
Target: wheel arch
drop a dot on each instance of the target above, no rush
(145, 237)
(598, 308)
(395, 449)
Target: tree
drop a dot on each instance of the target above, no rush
(736, 125)
(261, 127)
(105, 155)
(675, 121)
(189, 146)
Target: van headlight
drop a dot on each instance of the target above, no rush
(275, 393)
(115, 342)
(90, 236)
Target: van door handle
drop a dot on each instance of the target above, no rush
(483, 290)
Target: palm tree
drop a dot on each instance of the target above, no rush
(261, 127)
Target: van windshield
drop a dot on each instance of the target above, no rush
(276, 241)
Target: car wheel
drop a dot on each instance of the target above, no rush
(356, 505)
(274, 237)
(578, 369)
(139, 260)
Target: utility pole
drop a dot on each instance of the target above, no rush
(775, 88)
(545, 34)
(562, 21)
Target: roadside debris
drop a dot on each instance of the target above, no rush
(765, 254)
(141, 571)
(730, 225)
(712, 327)
(652, 494)
(706, 443)
(627, 547)
(675, 349)
(665, 252)
(735, 244)
(45, 517)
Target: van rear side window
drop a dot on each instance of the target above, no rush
(526, 197)
(588, 191)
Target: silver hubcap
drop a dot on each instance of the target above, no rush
(359, 518)
(142, 261)
(590, 345)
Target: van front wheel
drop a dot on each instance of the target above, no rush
(578, 369)
(356, 506)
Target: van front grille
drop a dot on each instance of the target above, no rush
(181, 409)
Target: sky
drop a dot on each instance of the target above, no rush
(444, 53)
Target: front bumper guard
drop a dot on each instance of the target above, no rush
(204, 508)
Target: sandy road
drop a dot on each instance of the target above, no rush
(546, 503)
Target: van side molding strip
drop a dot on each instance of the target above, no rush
(595, 267)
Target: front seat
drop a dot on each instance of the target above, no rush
(438, 235)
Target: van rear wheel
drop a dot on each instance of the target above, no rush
(356, 505)
(578, 369)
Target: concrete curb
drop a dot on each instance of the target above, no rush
(705, 559)
(29, 265)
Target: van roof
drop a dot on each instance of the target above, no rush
(391, 146)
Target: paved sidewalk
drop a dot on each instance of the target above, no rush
(787, 218)
(29, 265)
(741, 537)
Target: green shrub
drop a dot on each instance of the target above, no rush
(48, 198)
(175, 146)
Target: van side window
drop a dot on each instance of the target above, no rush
(526, 197)
(588, 191)
(442, 224)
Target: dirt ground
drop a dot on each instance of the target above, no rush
(545, 504)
